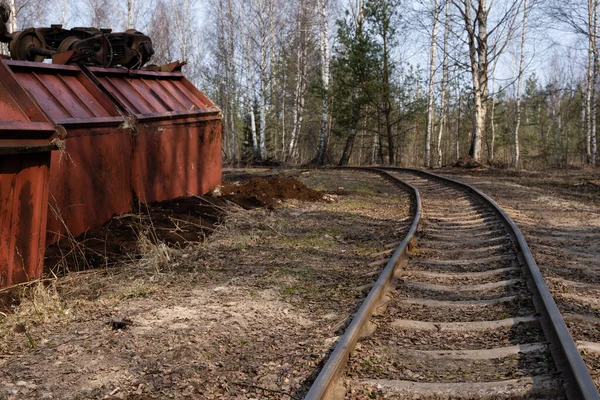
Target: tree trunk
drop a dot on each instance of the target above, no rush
(324, 40)
(12, 20)
(355, 118)
(444, 100)
(516, 152)
(458, 104)
(300, 83)
(430, 108)
(589, 94)
(387, 105)
(63, 13)
(596, 71)
(478, 55)
(263, 116)
(232, 79)
(264, 57)
(283, 111)
(255, 149)
(130, 5)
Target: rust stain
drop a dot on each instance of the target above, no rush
(23, 180)
(91, 182)
(175, 151)
(25, 133)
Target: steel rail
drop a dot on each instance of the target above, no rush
(578, 383)
(324, 385)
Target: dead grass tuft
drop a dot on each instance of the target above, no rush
(40, 302)
(154, 254)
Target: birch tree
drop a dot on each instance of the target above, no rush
(444, 89)
(581, 17)
(593, 71)
(303, 22)
(12, 19)
(519, 83)
(128, 11)
(325, 56)
(130, 7)
(265, 21)
(430, 97)
(483, 48)
(63, 13)
(224, 70)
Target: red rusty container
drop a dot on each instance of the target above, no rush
(178, 132)
(25, 150)
(90, 181)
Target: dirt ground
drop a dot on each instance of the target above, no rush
(241, 294)
(246, 305)
(559, 214)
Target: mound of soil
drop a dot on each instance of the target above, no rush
(177, 223)
(267, 192)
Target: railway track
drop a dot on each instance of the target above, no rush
(467, 315)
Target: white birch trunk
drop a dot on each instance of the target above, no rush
(253, 131)
(457, 106)
(63, 13)
(251, 82)
(493, 123)
(296, 106)
(263, 105)
(589, 86)
(516, 153)
(444, 100)
(325, 56)
(430, 108)
(300, 86)
(231, 72)
(477, 39)
(596, 71)
(283, 111)
(12, 20)
(130, 7)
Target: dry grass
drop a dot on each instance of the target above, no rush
(154, 254)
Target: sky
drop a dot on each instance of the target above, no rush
(548, 47)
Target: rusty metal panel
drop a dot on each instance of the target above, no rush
(65, 93)
(20, 116)
(176, 160)
(149, 94)
(23, 214)
(177, 148)
(25, 133)
(90, 180)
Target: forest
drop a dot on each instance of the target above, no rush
(429, 83)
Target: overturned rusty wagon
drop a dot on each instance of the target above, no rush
(83, 138)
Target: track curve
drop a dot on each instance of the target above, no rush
(469, 316)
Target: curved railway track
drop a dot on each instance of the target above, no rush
(467, 315)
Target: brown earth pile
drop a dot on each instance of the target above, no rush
(268, 192)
